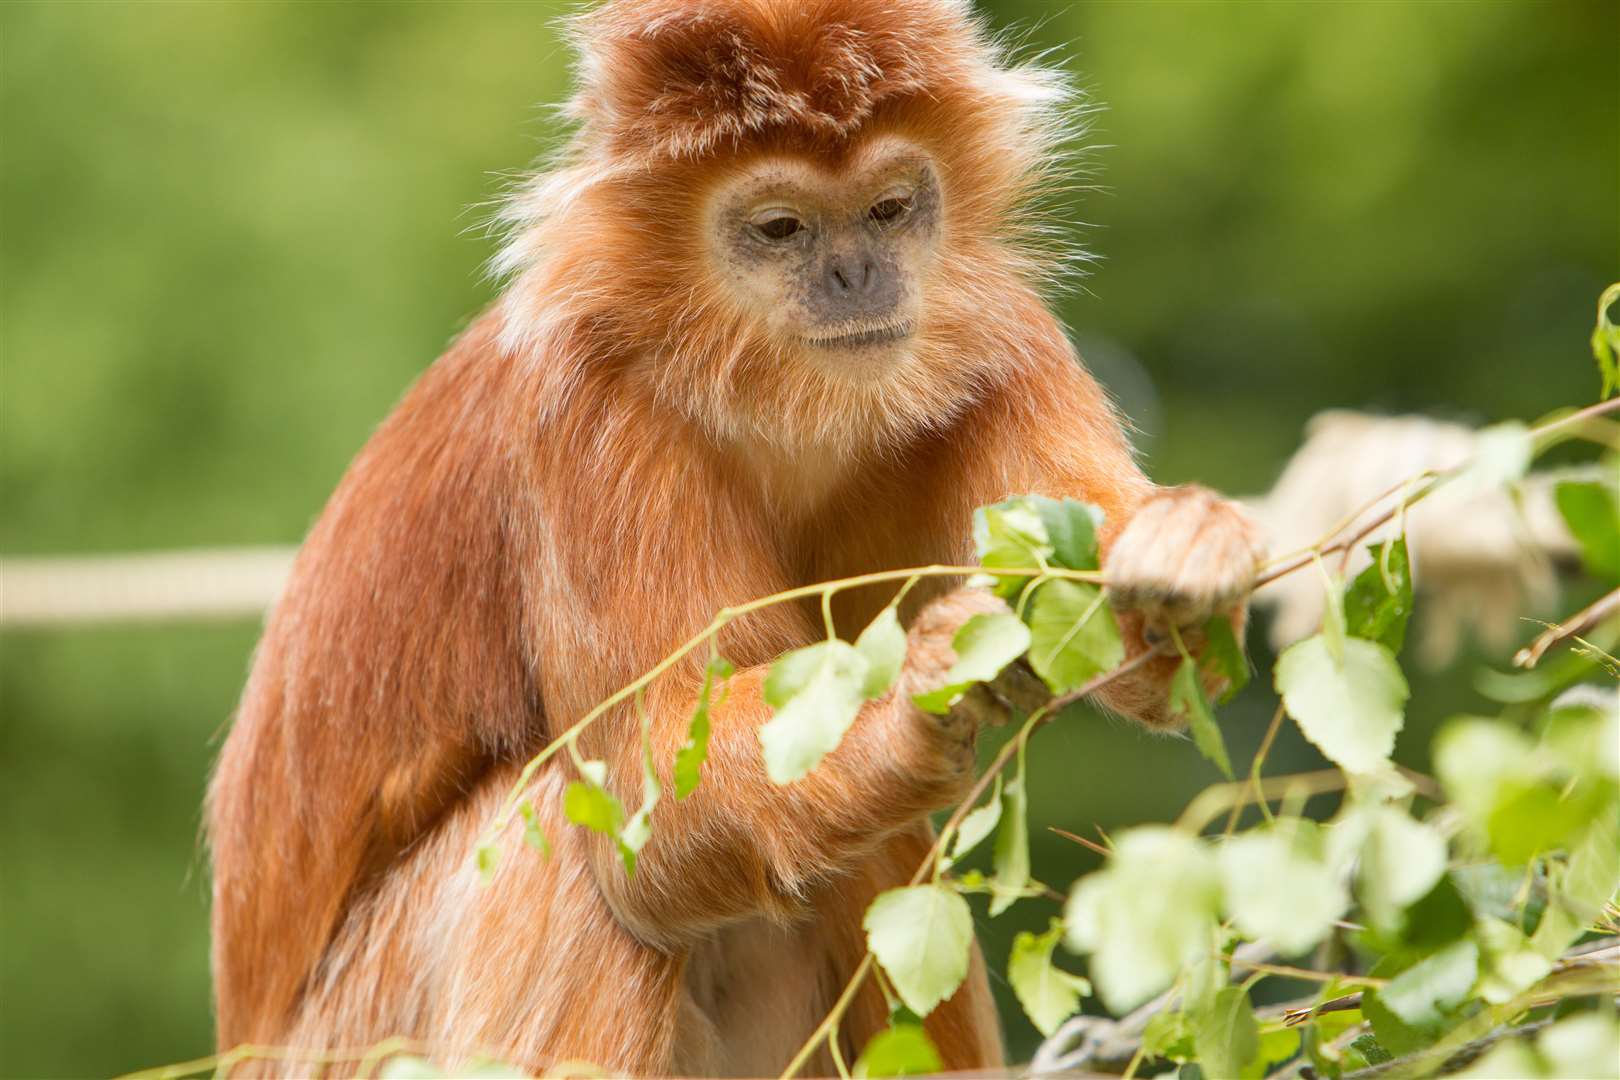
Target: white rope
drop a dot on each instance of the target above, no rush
(160, 586)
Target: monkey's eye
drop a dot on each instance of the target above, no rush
(888, 210)
(777, 225)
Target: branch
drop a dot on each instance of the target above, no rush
(1572, 627)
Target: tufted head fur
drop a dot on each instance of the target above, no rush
(603, 253)
(682, 79)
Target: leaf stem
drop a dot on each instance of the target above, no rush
(837, 1052)
(829, 1023)
(1254, 770)
(1304, 974)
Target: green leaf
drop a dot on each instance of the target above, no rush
(1517, 795)
(533, 835)
(1606, 343)
(1365, 1051)
(883, 644)
(1534, 816)
(1579, 888)
(984, 645)
(1415, 1008)
(1071, 527)
(1334, 629)
(1223, 656)
(1011, 855)
(1169, 1035)
(1073, 634)
(1379, 601)
(1276, 1047)
(1187, 701)
(977, 824)
(638, 830)
(1147, 915)
(900, 1015)
(690, 757)
(1350, 711)
(1585, 739)
(1401, 862)
(816, 693)
(1010, 535)
(1226, 1036)
(1489, 888)
(1511, 1059)
(899, 1050)
(923, 937)
(1509, 964)
(1586, 1044)
(1280, 886)
(1206, 973)
(1048, 994)
(593, 807)
(585, 803)
(1473, 756)
(939, 701)
(1591, 509)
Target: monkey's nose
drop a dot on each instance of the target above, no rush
(852, 276)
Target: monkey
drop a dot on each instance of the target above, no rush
(775, 316)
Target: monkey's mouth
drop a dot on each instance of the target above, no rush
(855, 339)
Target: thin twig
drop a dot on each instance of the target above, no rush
(1307, 974)
(1286, 564)
(1090, 845)
(1218, 798)
(1296, 1017)
(1572, 627)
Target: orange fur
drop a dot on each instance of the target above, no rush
(600, 463)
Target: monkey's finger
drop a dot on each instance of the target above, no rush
(981, 708)
(1020, 688)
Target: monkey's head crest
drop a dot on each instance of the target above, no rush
(680, 78)
(799, 209)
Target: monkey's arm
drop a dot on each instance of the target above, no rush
(1171, 555)
(742, 845)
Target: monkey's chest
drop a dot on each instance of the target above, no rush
(753, 992)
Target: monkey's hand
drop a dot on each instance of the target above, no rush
(929, 657)
(1187, 554)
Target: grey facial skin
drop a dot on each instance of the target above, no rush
(834, 262)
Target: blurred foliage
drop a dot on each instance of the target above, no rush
(233, 233)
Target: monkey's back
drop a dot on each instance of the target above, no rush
(391, 674)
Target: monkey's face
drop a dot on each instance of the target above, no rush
(831, 262)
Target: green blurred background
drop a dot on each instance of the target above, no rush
(233, 233)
